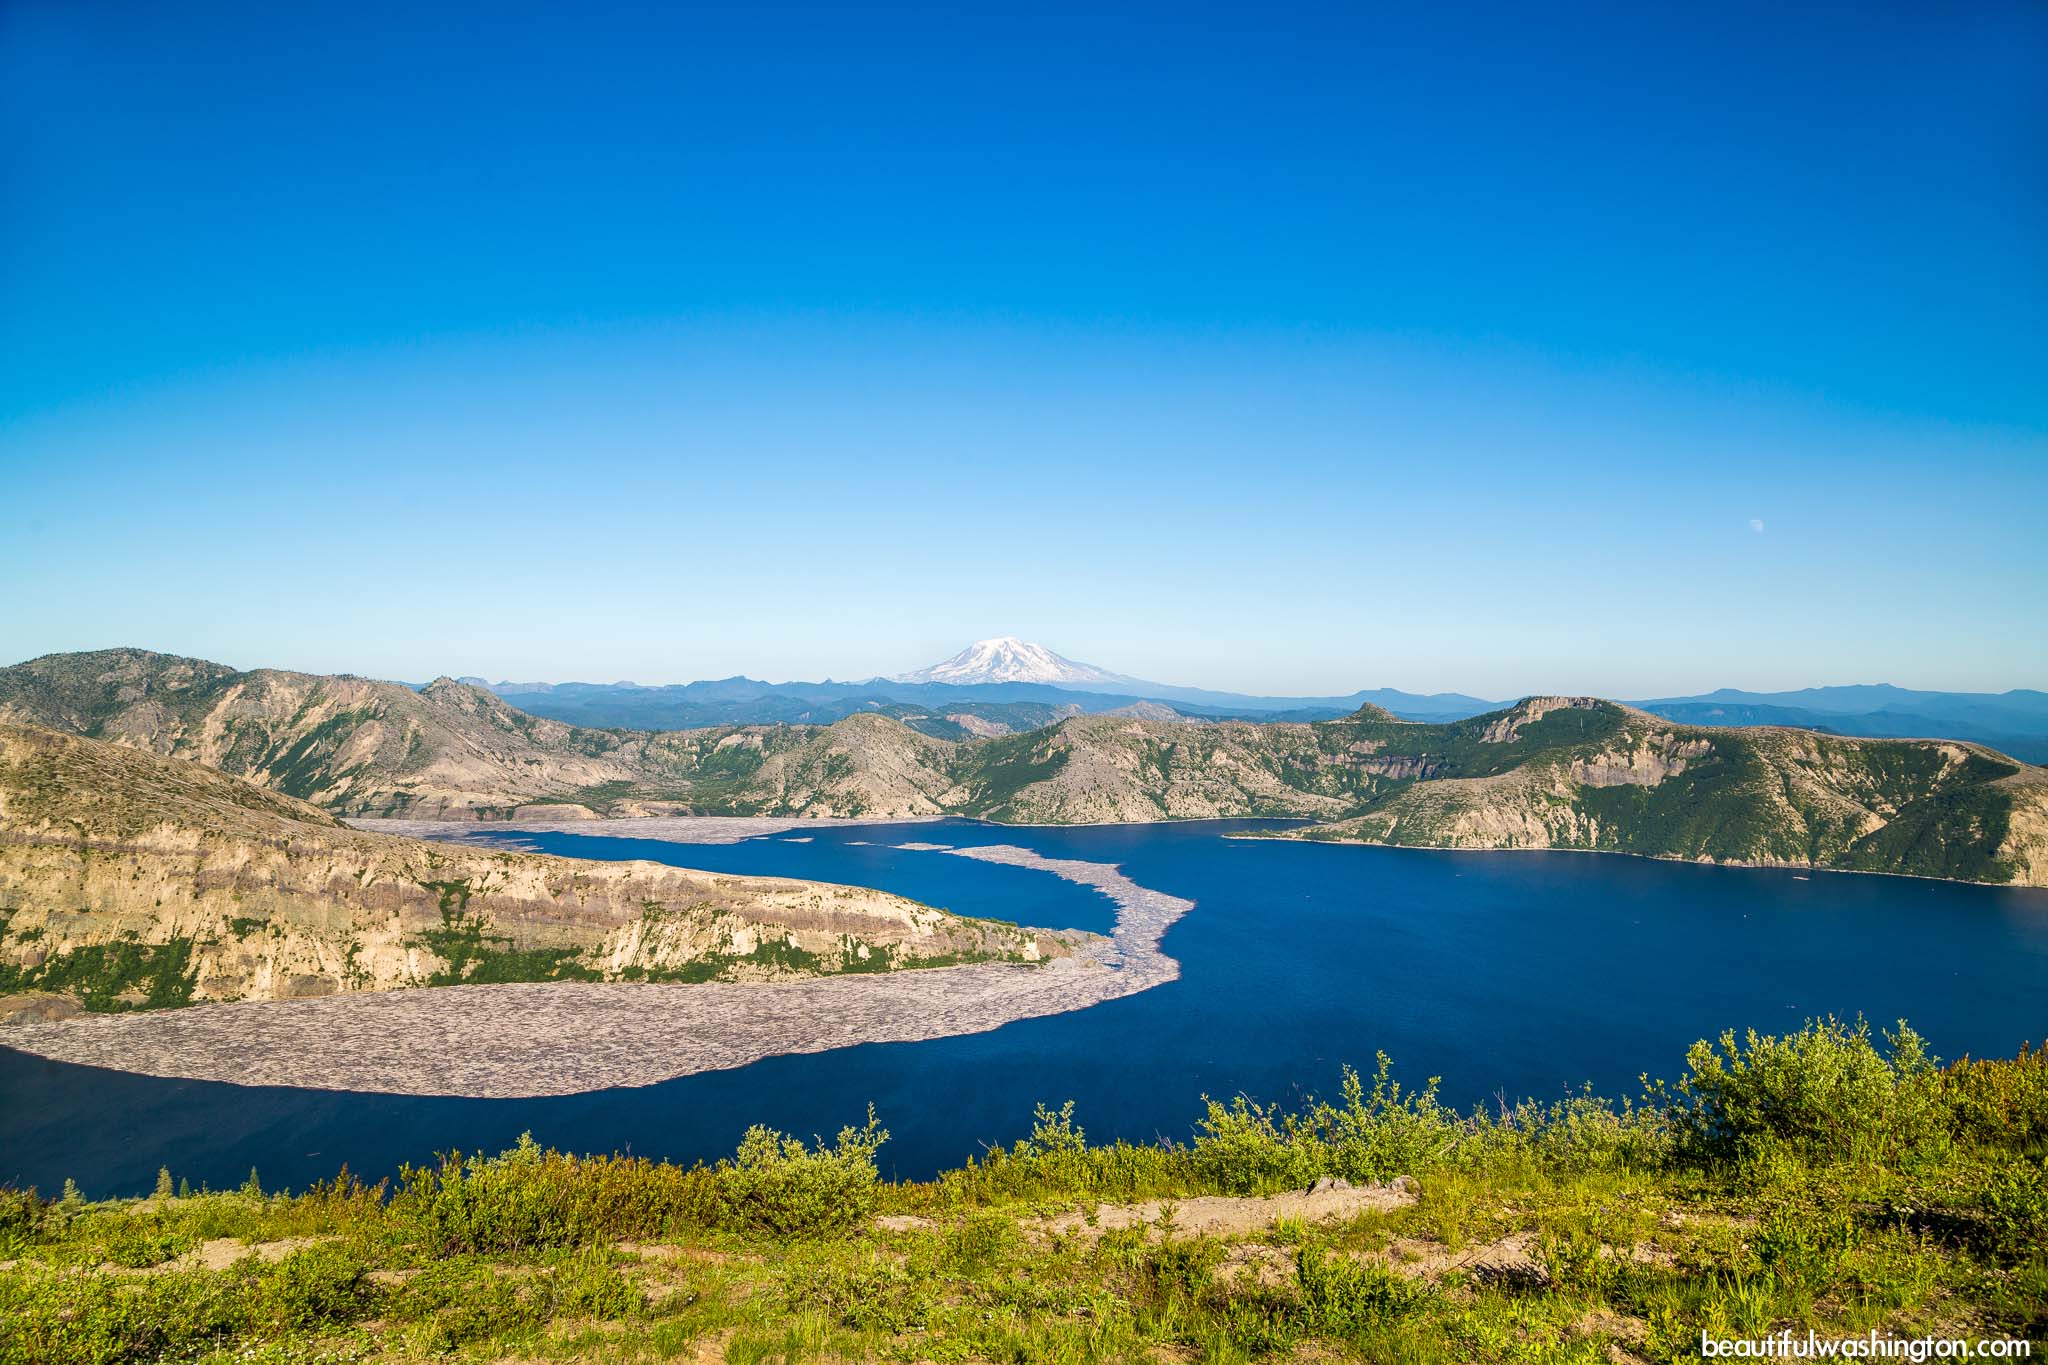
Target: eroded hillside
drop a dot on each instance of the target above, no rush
(1578, 773)
(130, 880)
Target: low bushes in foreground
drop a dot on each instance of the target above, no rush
(1829, 1178)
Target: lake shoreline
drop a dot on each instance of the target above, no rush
(727, 829)
(1759, 866)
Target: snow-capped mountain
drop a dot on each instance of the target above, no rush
(1006, 659)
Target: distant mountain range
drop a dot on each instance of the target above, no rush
(1547, 772)
(1007, 659)
(1007, 686)
(997, 686)
(2015, 722)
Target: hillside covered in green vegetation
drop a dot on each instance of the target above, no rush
(1827, 1180)
(1548, 772)
(1584, 774)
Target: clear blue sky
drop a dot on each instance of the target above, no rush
(1281, 350)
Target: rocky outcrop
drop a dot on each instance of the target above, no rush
(2025, 845)
(1643, 760)
(1505, 727)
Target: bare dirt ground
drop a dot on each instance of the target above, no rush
(1228, 1216)
(221, 1252)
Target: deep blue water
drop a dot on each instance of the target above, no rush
(1502, 973)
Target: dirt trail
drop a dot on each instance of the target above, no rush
(1206, 1215)
(1227, 1216)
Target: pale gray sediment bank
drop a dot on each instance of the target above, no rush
(560, 1038)
(674, 829)
(1142, 914)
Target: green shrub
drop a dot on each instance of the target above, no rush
(310, 1288)
(343, 1205)
(1584, 1133)
(979, 1241)
(90, 1318)
(21, 1220)
(1247, 1148)
(775, 1184)
(2000, 1103)
(588, 1283)
(1571, 1259)
(1385, 1131)
(1181, 1270)
(530, 1199)
(2015, 1208)
(134, 1240)
(1373, 1135)
(1827, 1089)
(464, 1299)
(516, 1203)
(870, 1294)
(1057, 1160)
(1343, 1297)
(1802, 1244)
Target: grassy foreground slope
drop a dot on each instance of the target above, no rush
(1549, 772)
(128, 880)
(1826, 1181)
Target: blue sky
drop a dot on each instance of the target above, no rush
(1283, 350)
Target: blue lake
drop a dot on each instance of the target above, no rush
(1515, 974)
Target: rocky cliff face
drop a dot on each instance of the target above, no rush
(128, 880)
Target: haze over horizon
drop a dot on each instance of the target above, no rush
(1286, 354)
(1085, 666)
